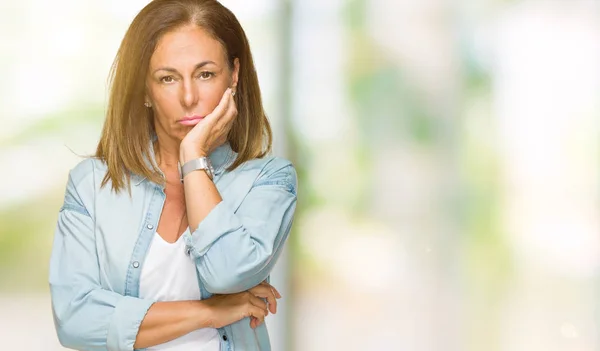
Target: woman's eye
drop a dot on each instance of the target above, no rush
(206, 75)
(167, 79)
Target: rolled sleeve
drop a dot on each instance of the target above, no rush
(235, 250)
(219, 222)
(125, 322)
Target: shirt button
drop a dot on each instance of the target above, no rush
(225, 337)
(136, 264)
(149, 226)
(188, 251)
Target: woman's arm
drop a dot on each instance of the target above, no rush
(201, 197)
(236, 248)
(86, 316)
(166, 321)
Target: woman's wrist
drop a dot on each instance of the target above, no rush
(187, 153)
(202, 315)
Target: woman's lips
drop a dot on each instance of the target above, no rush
(190, 121)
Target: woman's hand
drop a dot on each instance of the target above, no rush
(210, 132)
(266, 291)
(227, 309)
(230, 308)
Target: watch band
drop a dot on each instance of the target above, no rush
(202, 163)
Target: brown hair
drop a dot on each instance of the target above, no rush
(125, 142)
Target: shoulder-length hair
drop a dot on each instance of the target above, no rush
(129, 126)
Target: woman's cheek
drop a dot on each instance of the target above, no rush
(213, 92)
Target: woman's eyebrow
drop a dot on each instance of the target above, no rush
(173, 70)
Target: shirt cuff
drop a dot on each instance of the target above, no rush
(220, 221)
(125, 324)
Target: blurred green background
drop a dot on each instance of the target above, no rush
(447, 152)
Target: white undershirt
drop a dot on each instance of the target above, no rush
(168, 274)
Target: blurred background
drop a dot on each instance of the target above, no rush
(447, 150)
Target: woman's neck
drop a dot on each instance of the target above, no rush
(167, 152)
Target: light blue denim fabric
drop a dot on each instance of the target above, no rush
(102, 238)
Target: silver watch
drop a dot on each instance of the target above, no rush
(202, 163)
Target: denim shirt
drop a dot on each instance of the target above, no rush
(102, 237)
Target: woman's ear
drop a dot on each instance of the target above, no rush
(235, 74)
(147, 101)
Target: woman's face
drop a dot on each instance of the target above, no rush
(187, 77)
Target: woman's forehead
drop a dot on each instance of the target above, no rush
(187, 43)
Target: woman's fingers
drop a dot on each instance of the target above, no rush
(274, 295)
(260, 303)
(226, 120)
(254, 322)
(221, 108)
(275, 291)
(265, 292)
(256, 314)
(225, 115)
(257, 302)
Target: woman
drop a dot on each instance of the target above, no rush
(166, 238)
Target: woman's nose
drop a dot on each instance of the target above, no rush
(189, 93)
